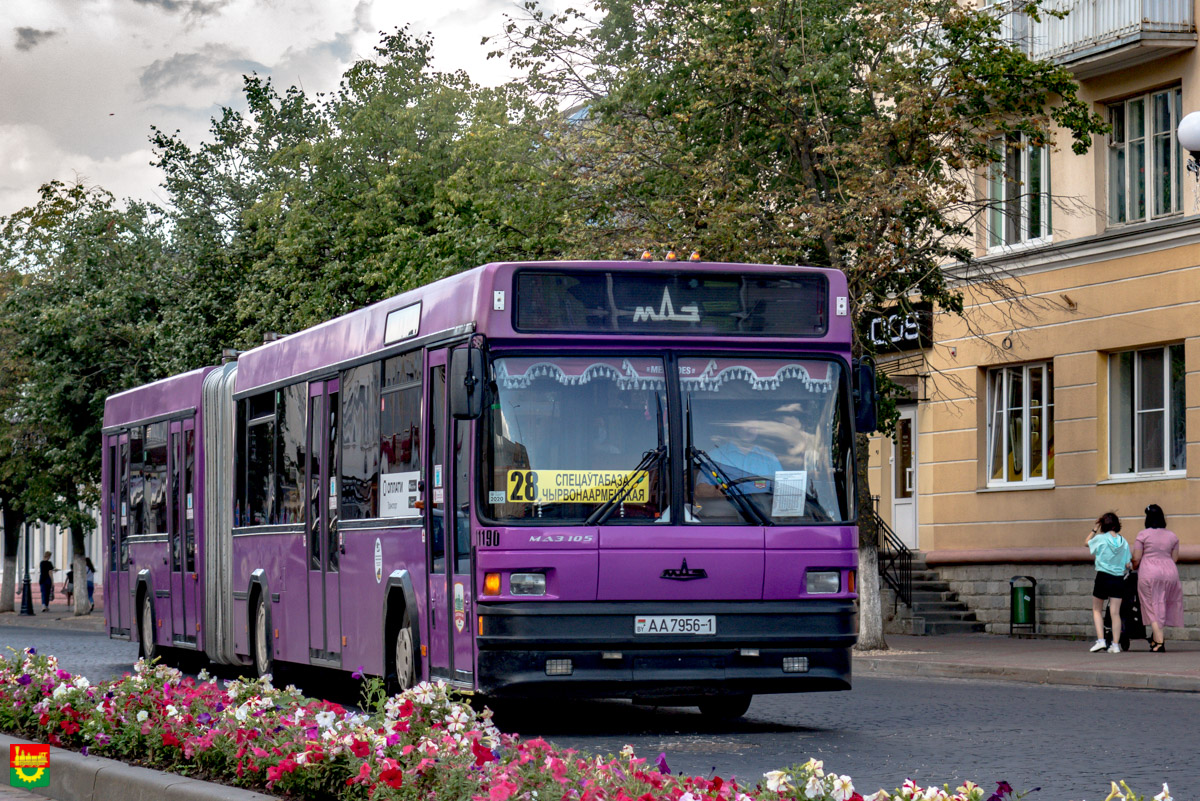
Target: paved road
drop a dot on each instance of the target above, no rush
(1069, 741)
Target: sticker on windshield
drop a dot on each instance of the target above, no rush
(790, 489)
(577, 486)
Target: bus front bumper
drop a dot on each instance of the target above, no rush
(588, 649)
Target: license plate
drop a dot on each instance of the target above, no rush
(675, 624)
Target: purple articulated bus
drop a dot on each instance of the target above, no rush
(604, 479)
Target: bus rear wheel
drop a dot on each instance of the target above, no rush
(405, 657)
(149, 647)
(264, 661)
(726, 707)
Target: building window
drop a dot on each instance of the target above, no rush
(1021, 424)
(1144, 164)
(1146, 406)
(1018, 193)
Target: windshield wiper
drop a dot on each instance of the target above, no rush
(729, 489)
(605, 510)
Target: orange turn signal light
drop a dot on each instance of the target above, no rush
(491, 583)
(850, 581)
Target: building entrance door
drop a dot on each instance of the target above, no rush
(904, 477)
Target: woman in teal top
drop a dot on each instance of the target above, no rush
(1111, 553)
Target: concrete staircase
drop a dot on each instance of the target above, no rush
(936, 608)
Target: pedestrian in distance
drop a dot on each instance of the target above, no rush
(69, 586)
(1111, 552)
(1154, 555)
(91, 582)
(46, 580)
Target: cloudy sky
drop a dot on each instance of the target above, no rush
(82, 81)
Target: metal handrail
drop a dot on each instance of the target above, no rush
(895, 559)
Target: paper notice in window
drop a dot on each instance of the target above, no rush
(790, 488)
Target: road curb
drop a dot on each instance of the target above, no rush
(866, 666)
(75, 777)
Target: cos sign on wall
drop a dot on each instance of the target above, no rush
(897, 329)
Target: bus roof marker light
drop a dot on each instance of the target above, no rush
(695, 256)
(647, 255)
(671, 256)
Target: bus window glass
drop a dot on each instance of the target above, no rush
(437, 455)
(316, 413)
(173, 495)
(567, 434)
(137, 467)
(189, 501)
(155, 480)
(123, 503)
(260, 447)
(766, 440)
(333, 410)
(113, 500)
(462, 504)
(360, 442)
(400, 437)
(290, 459)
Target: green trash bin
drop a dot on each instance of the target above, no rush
(1023, 608)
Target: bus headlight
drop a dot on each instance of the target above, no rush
(825, 582)
(527, 584)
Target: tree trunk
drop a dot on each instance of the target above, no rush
(79, 570)
(870, 606)
(12, 534)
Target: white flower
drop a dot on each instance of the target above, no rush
(141, 716)
(687, 797)
(423, 693)
(627, 751)
(843, 788)
(816, 766)
(778, 781)
(934, 794)
(172, 711)
(813, 788)
(325, 719)
(882, 795)
(1165, 795)
(242, 712)
(203, 675)
(60, 690)
(81, 683)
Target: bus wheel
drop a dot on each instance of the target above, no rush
(150, 649)
(726, 707)
(264, 662)
(405, 656)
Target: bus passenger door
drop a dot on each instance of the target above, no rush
(176, 578)
(116, 589)
(184, 609)
(438, 608)
(324, 549)
(461, 563)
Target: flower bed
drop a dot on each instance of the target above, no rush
(422, 744)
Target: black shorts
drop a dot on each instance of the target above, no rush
(1108, 586)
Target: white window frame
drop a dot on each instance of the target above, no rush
(1124, 175)
(1168, 410)
(999, 385)
(1000, 185)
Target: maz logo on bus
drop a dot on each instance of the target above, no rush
(560, 538)
(666, 311)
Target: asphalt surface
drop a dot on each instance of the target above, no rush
(1068, 739)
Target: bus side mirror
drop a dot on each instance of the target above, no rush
(866, 417)
(466, 383)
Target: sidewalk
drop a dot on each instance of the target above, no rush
(1035, 660)
(59, 616)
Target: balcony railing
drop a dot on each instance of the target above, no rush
(1100, 36)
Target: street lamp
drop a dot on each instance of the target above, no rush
(26, 585)
(1189, 139)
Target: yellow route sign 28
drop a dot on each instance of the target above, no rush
(576, 486)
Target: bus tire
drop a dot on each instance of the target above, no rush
(404, 657)
(726, 707)
(264, 660)
(148, 648)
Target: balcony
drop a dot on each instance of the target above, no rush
(1097, 37)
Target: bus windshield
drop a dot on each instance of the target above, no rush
(568, 435)
(767, 441)
(584, 439)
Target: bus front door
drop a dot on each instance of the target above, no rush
(177, 578)
(185, 618)
(116, 575)
(451, 641)
(324, 547)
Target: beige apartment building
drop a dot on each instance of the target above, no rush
(1031, 418)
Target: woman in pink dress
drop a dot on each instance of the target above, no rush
(1154, 555)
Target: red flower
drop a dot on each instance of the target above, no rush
(169, 738)
(483, 754)
(360, 749)
(392, 777)
(69, 728)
